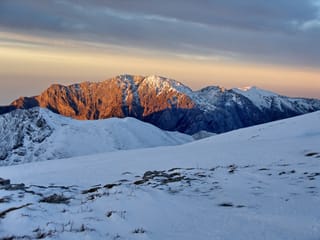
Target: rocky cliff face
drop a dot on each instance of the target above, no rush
(167, 104)
(121, 96)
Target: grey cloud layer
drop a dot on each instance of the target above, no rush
(276, 31)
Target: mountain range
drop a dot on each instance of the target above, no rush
(257, 181)
(168, 104)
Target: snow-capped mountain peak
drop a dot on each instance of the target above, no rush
(166, 84)
(259, 97)
(246, 88)
(254, 90)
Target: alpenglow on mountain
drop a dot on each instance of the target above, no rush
(168, 104)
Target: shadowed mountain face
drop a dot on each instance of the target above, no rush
(167, 104)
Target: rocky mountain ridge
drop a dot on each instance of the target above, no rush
(168, 104)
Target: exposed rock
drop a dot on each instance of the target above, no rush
(4, 182)
(91, 190)
(15, 187)
(21, 151)
(18, 128)
(111, 185)
(5, 212)
(3, 153)
(56, 199)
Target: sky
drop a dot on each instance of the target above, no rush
(271, 44)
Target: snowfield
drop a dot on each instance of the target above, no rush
(38, 134)
(261, 182)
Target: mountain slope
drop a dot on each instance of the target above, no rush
(38, 134)
(259, 182)
(168, 104)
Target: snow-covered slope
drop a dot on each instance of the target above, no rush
(264, 99)
(261, 182)
(38, 134)
(259, 97)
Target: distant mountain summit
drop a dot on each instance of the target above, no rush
(167, 103)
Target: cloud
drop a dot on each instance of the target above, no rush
(311, 25)
(274, 31)
(248, 14)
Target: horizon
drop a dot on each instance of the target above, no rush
(242, 88)
(272, 45)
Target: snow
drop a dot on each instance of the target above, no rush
(267, 99)
(166, 84)
(202, 134)
(207, 97)
(259, 97)
(256, 183)
(66, 137)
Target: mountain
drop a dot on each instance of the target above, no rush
(168, 104)
(38, 134)
(261, 182)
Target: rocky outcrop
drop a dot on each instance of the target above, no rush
(19, 128)
(167, 104)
